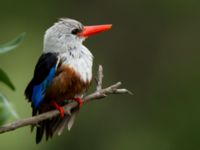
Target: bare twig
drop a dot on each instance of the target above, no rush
(99, 78)
(98, 94)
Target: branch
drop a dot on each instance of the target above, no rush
(98, 94)
(99, 78)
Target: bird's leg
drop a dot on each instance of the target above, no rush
(59, 108)
(79, 101)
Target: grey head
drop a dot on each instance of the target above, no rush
(62, 36)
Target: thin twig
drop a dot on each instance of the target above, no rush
(98, 94)
(99, 79)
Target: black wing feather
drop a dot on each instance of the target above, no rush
(42, 69)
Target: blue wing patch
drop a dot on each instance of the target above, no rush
(43, 75)
(39, 90)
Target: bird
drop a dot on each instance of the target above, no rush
(63, 73)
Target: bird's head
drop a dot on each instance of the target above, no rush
(68, 34)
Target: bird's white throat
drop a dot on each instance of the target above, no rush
(81, 60)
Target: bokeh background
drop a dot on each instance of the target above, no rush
(153, 48)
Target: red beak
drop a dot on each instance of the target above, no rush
(91, 30)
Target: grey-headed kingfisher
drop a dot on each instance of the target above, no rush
(62, 73)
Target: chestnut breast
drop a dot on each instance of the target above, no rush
(66, 85)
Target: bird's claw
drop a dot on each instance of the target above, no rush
(79, 101)
(62, 112)
(59, 108)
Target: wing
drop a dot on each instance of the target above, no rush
(43, 76)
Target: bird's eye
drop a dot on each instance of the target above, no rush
(76, 31)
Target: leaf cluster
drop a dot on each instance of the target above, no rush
(6, 109)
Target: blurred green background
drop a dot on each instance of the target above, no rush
(153, 48)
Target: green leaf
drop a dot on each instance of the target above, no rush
(12, 44)
(6, 110)
(5, 79)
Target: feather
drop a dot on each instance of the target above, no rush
(40, 131)
(43, 75)
(72, 119)
(39, 90)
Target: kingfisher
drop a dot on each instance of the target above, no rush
(62, 74)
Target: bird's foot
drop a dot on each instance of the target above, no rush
(59, 108)
(79, 101)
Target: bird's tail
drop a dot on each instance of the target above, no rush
(56, 125)
(67, 122)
